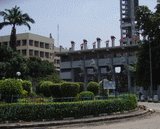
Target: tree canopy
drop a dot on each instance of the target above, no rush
(15, 17)
(149, 26)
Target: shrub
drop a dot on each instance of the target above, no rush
(69, 89)
(81, 84)
(27, 85)
(93, 87)
(38, 87)
(106, 91)
(55, 90)
(32, 94)
(86, 94)
(45, 88)
(11, 87)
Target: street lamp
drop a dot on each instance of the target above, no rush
(18, 74)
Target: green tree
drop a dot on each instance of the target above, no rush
(12, 62)
(39, 68)
(15, 17)
(149, 25)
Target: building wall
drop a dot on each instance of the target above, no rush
(35, 45)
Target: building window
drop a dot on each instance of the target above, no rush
(30, 52)
(46, 45)
(31, 42)
(58, 62)
(24, 52)
(24, 42)
(36, 53)
(41, 45)
(36, 43)
(41, 54)
(46, 55)
(5, 43)
(18, 43)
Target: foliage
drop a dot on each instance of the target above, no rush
(38, 87)
(93, 87)
(55, 90)
(148, 23)
(81, 84)
(39, 111)
(39, 68)
(15, 17)
(11, 87)
(86, 94)
(12, 62)
(45, 88)
(69, 89)
(27, 85)
(24, 93)
(106, 91)
(32, 94)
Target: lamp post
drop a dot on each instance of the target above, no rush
(151, 87)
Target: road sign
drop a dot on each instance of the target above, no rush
(109, 85)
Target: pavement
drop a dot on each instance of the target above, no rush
(88, 119)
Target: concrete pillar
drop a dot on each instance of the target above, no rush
(98, 70)
(72, 70)
(129, 75)
(85, 74)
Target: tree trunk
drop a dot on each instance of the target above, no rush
(13, 41)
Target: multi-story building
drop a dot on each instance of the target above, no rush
(95, 64)
(35, 45)
(129, 28)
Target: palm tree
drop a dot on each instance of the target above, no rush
(15, 17)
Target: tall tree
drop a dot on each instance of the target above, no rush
(15, 18)
(149, 25)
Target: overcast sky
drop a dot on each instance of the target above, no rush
(77, 19)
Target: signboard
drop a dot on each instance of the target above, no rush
(90, 71)
(109, 85)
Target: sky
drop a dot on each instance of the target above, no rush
(77, 19)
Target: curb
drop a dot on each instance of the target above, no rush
(114, 116)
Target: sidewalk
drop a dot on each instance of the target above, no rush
(118, 115)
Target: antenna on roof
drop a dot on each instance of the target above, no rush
(58, 35)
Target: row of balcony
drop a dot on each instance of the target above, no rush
(102, 62)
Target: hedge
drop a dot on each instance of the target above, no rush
(55, 90)
(81, 84)
(69, 89)
(30, 112)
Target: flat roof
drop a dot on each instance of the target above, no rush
(127, 47)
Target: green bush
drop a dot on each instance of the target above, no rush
(86, 94)
(38, 87)
(11, 87)
(32, 94)
(27, 85)
(45, 88)
(93, 87)
(55, 90)
(69, 89)
(81, 84)
(34, 111)
(106, 91)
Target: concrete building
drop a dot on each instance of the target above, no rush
(129, 29)
(30, 45)
(95, 64)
